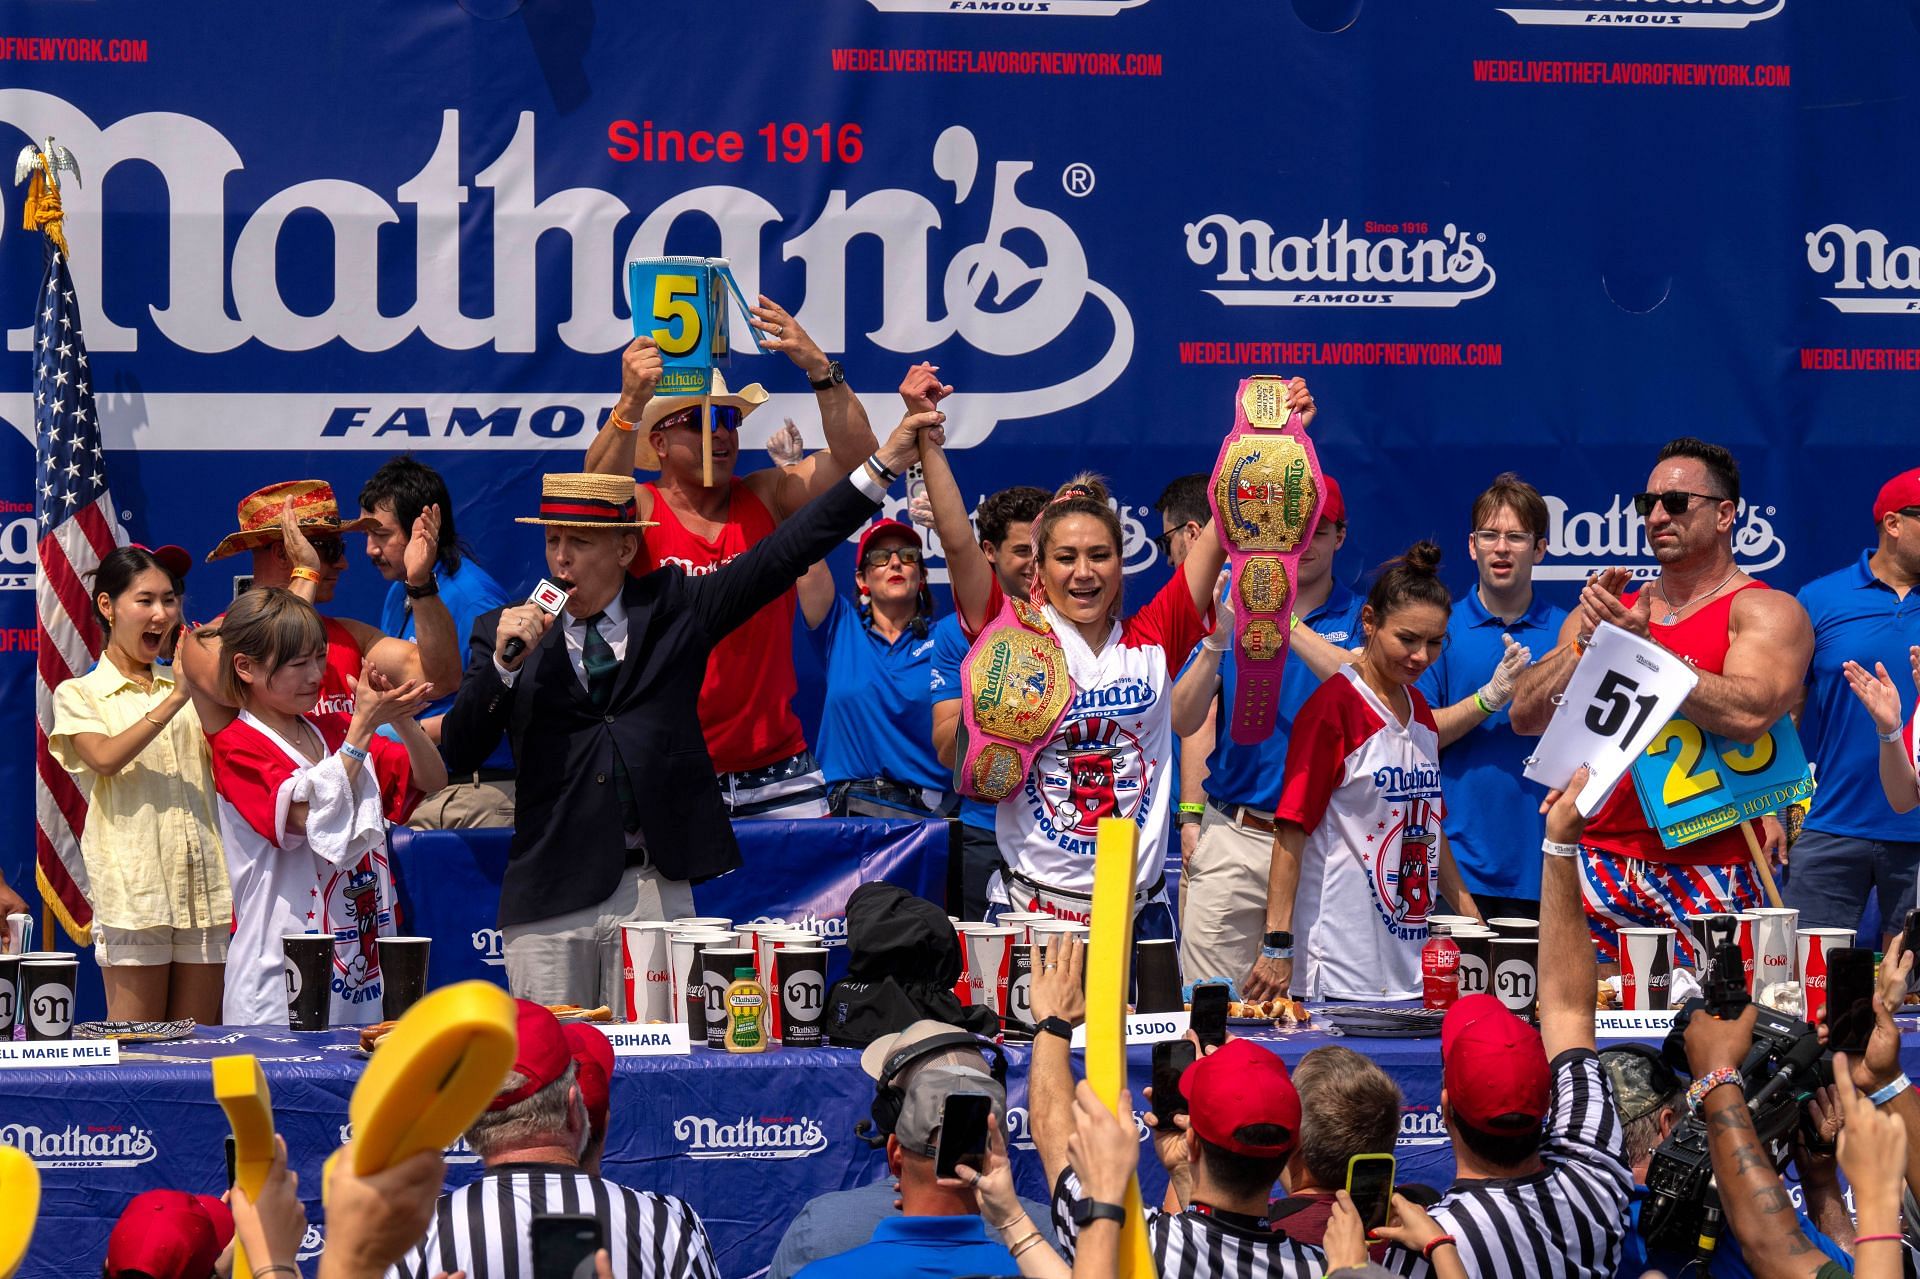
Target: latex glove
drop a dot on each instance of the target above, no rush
(784, 446)
(1498, 690)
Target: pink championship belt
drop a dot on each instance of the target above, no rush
(1014, 691)
(1266, 497)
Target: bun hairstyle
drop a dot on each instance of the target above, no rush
(1084, 494)
(1412, 578)
(116, 573)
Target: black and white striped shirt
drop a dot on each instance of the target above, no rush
(1563, 1222)
(1187, 1245)
(486, 1228)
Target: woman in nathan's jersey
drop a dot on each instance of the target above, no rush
(1358, 849)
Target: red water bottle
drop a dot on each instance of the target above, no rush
(1439, 969)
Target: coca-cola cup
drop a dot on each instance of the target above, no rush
(1156, 977)
(989, 961)
(718, 963)
(1776, 946)
(19, 938)
(1515, 975)
(1646, 968)
(9, 994)
(963, 984)
(685, 948)
(403, 973)
(309, 972)
(47, 995)
(1813, 945)
(1701, 933)
(646, 971)
(1476, 950)
(1021, 921)
(802, 975)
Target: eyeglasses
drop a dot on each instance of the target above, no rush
(1488, 538)
(1165, 540)
(1912, 511)
(877, 556)
(725, 418)
(1673, 501)
(331, 550)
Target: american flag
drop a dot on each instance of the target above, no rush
(77, 529)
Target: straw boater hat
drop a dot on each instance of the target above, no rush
(749, 398)
(575, 500)
(314, 506)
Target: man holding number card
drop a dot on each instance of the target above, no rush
(746, 701)
(1750, 647)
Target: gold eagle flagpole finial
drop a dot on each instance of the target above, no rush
(42, 210)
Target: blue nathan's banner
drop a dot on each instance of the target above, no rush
(1537, 235)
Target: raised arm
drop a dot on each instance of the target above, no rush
(850, 438)
(815, 589)
(612, 451)
(1056, 993)
(1568, 972)
(969, 575)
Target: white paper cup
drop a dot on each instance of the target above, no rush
(1646, 968)
(646, 971)
(1812, 945)
(989, 961)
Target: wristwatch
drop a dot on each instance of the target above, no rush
(1278, 940)
(1086, 1211)
(431, 589)
(835, 377)
(1056, 1026)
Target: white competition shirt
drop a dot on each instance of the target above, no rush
(1367, 789)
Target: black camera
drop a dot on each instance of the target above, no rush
(1778, 1075)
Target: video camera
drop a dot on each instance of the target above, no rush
(1780, 1072)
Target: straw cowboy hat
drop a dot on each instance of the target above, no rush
(575, 500)
(749, 398)
(314, 507)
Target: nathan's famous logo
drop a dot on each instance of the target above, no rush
(1010, 292)
(1878, 277)
(19, 536)
(79, 1146)
(1273, 510)
(1645, 13)
(1580, 543)
(1091, 771)
(458, 1153)
(1422, 1126)
(491, 945)
(1009, 8)
(744, 1138)
(1383, 264)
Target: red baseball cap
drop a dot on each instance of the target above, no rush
(1493, 1066)
(1335, 507)
(175, 560)
(593, 1059)
(1238, 1085)
(542, 1057)
(1902, 491)
(875, 529)
(169, 1234)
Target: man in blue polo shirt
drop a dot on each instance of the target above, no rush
(1493, 818)
(1223, 890)
(394, 496)
(1005, 522)
(1853, 841)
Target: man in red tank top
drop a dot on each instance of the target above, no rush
(1750, 646)
(746, 700)
(293, 530)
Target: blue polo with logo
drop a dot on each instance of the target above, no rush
(1493, 813)
(1855, 615)
(1250, 775)
(877, 718)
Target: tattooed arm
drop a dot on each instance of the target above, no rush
(1759, 1212)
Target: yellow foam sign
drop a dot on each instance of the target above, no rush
(1109, 960)
(241, 1089)
(19, 1207)
(433, 1075)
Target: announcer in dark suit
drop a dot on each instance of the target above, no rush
(618, 809)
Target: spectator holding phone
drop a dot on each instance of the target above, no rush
(1876, 1070)
(1408, 1226)
(1348, 1107)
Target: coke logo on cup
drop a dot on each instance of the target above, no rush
(1816, 981)
(655, 974)
(1775, 961)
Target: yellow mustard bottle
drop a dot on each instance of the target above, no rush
(746, 1013)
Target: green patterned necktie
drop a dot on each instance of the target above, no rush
(601, 665)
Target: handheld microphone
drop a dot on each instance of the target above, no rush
(550, 598)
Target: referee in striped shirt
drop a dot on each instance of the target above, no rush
(531, 1139)
(1534, 1202)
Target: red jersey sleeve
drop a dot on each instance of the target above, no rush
(1169, 621)
(394, 769)
(1324, 733)
(249, 772)
(996, 598)
(1422, 712)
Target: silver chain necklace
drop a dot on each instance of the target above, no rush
(1673, 610)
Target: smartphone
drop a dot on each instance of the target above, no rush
(1370, 1186)
(1911, 939)
(963, 1133)
(1171, 1057)
(564, 1244)
(1209, 1020)
(1849, 999)
(230, 1160)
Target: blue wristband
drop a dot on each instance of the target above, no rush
(1276, 952)
(354, 753)
(1899, 1085)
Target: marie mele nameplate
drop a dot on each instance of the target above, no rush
(59, 1053)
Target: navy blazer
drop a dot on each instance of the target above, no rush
(569, 845)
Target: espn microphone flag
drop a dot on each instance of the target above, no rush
(77, 529)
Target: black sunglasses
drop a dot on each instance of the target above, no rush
(877, 556)
(331, 550)
(1673, 501)
(1165, 540)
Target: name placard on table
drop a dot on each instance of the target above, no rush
(1145, 1028)
(32, 1055)
(667, 1039)
(1616, 1023)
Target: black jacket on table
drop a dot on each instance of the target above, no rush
(569, 849)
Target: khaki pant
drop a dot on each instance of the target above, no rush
(575, 958)
(467, 806)
(1223, 900)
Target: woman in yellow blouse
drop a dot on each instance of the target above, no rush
(127, 731)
